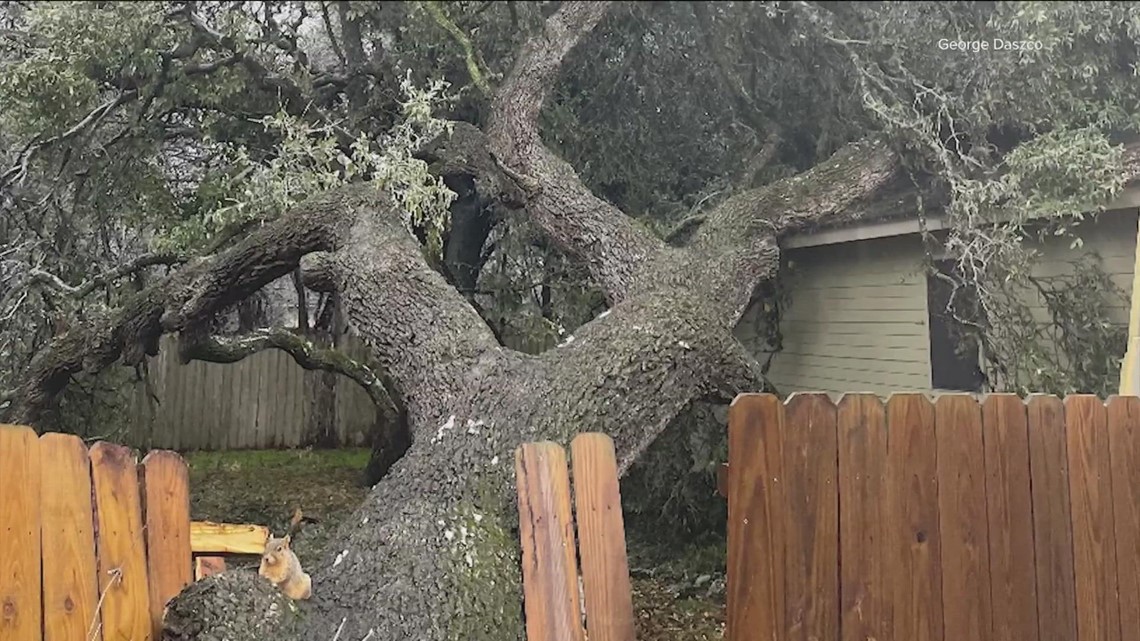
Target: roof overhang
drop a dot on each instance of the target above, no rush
(1129, 199)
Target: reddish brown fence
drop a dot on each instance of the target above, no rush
(950, 520)
(553, 602)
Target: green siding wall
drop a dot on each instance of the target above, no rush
(857, 321)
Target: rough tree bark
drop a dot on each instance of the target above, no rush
(432, 553)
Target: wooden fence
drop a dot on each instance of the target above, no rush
(951, 520)
(556, 600)
(92, 543)
(261, 402)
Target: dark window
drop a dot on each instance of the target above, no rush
(953, 351)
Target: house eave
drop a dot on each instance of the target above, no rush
(1128, 200)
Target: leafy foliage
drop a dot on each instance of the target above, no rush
(672, 487)
(308, 160)
(1016, 136)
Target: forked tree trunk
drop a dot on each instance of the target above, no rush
(431, 554)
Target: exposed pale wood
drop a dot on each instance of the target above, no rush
(1094, 542)
(915, 548)
(1052, 533)
(863, 447)
(1124, 445)
(70, 583)
(601, 539)
(166, 484)
(546, 529)
(811, 518)
(204, 566)
(1010, 512)
(227, 538)
(124, 588)
(755, 509)
(962, 518)
(21, 613)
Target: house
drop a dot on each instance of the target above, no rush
(864, 316)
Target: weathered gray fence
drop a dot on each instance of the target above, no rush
(261, 402)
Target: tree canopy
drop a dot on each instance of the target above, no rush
(150, 132)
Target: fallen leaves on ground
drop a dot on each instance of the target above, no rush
(661, 616)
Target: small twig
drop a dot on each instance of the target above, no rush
(93, 629)
(19, 171)
(340, 629)
(101, 437)
(331, 36)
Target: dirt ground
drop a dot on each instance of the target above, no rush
(678, 593)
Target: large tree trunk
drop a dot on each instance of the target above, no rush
(432, 553)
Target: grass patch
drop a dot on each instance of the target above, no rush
(264, 486)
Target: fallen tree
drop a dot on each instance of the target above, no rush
(432, 552)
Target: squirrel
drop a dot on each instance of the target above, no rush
(281, 566)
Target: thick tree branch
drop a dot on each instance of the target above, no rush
(597, 234)
(830, 193)
(737, 246)
(317, 272)
(423, 333)
(187, 298)
(525, 90)
(215, 349)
